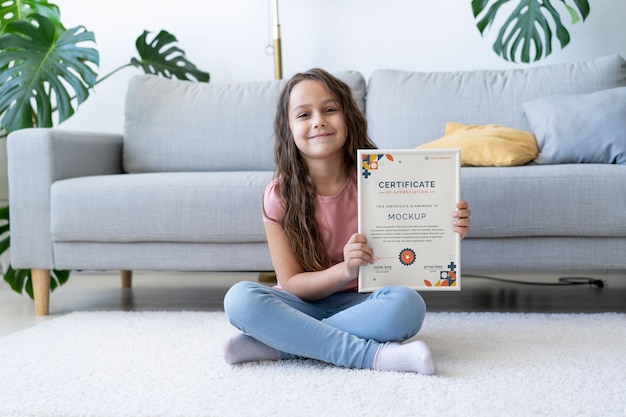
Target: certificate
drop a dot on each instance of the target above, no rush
(406, 200)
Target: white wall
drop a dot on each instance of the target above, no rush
(228, 38)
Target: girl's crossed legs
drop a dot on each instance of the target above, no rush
(348, 329)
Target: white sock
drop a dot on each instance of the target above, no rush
(243, 348)
(408, 357)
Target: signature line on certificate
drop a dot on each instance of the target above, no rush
(378, 258)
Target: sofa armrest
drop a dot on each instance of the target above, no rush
(36, 158)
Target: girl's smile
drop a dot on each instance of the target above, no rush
(321, 135)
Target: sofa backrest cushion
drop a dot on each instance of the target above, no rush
(173, 125)
(406, 109)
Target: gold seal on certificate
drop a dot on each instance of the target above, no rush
(406, 201)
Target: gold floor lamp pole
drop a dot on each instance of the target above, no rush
(278, 54)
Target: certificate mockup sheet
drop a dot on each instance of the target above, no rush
(406, 200)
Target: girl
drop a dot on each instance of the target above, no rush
(310, 217)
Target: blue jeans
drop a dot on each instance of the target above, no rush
(345, 328)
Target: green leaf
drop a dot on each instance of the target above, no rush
(161, 57)
(14, 10)
(21, 280)
(53, 282)
(478, 7)
(61, 276)
(582, 6)
(5, 240)
(39, 65)
(16, 278)
(28, 287)
(528, 32)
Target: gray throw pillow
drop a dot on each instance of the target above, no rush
(580, 128)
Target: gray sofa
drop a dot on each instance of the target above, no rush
(181, 188)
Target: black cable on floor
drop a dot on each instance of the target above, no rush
(561, 281)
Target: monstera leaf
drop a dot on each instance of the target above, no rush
(527, 33)
(160, 57)
(45, 68)
(14, 10)
(38, 66)
(21, 280)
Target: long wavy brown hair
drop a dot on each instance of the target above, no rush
(295, 185)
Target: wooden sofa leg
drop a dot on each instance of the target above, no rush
(127, 279)
(41, 291)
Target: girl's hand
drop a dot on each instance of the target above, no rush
(462, 219)
(357, 253)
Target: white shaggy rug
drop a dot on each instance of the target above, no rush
(169, 364)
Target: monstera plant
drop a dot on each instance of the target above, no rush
(47, 71)
(527, 33)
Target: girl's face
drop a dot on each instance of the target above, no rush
(316, 121)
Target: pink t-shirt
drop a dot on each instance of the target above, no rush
(336, 216)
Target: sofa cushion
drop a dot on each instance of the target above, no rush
(190, 207)
(582, 200)
(406, 109)
(487, 145)
(579, 128)
(173, 125)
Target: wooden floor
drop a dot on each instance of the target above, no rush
(544, 294)
(94, 291)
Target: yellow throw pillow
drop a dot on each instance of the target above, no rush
(488, 145)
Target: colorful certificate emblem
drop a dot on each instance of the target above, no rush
(407, 257)
(406, 198)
